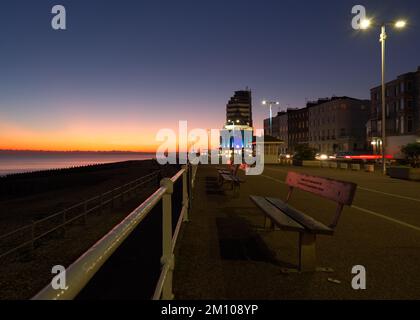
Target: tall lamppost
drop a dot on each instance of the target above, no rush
(399, 24)
(271, 104)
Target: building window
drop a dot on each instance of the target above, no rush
(402, 104)
(409, 103)
(342, 132)
(409, 86)
(409, 125)
(402, 125)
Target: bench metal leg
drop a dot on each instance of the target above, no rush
(307, 252)
(268, 223)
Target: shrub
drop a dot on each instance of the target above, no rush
(412, 151)
(304, 152)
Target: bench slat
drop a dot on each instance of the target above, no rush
(308, 222)
(227, 177)
(282, 220)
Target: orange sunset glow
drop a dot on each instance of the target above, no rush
(84, 136)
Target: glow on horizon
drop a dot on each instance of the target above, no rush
(84, 135)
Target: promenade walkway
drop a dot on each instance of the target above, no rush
(223, 252)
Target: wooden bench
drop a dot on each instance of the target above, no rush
(230, 176)
(232, 169)
(279, 214)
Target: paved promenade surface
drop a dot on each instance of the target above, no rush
(224, 253)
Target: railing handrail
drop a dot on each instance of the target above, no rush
(83, 269)
(57, 214)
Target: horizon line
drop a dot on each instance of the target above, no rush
(69, 151)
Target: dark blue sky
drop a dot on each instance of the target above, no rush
(152, 63)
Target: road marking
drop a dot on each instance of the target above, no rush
(371, 190)
(271, 178)
(389, 194)
(387, 218)
(402, 223)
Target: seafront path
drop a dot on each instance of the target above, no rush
(224, 253)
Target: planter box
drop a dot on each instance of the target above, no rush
(325, 164)
(415, 174)
(344, 166)
(307, 163)
(355, 167)
(369, 168)
(333, 165)
(405, 173)
(311, 163)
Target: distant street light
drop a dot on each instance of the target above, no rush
(271, 104)
(400, 24)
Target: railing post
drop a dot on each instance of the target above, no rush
(190, 186)
(167, 255)
(185, 201)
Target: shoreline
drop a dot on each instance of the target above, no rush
(6, 173)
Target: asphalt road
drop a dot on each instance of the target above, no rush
(224, 253)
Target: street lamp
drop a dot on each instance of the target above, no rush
(400, 24)
(271, 104)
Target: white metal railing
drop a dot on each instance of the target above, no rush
(26, 236)
(82, 270)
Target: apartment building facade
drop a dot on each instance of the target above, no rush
(279, 130)
(402, 108)
(298, 127)
(338, 124)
